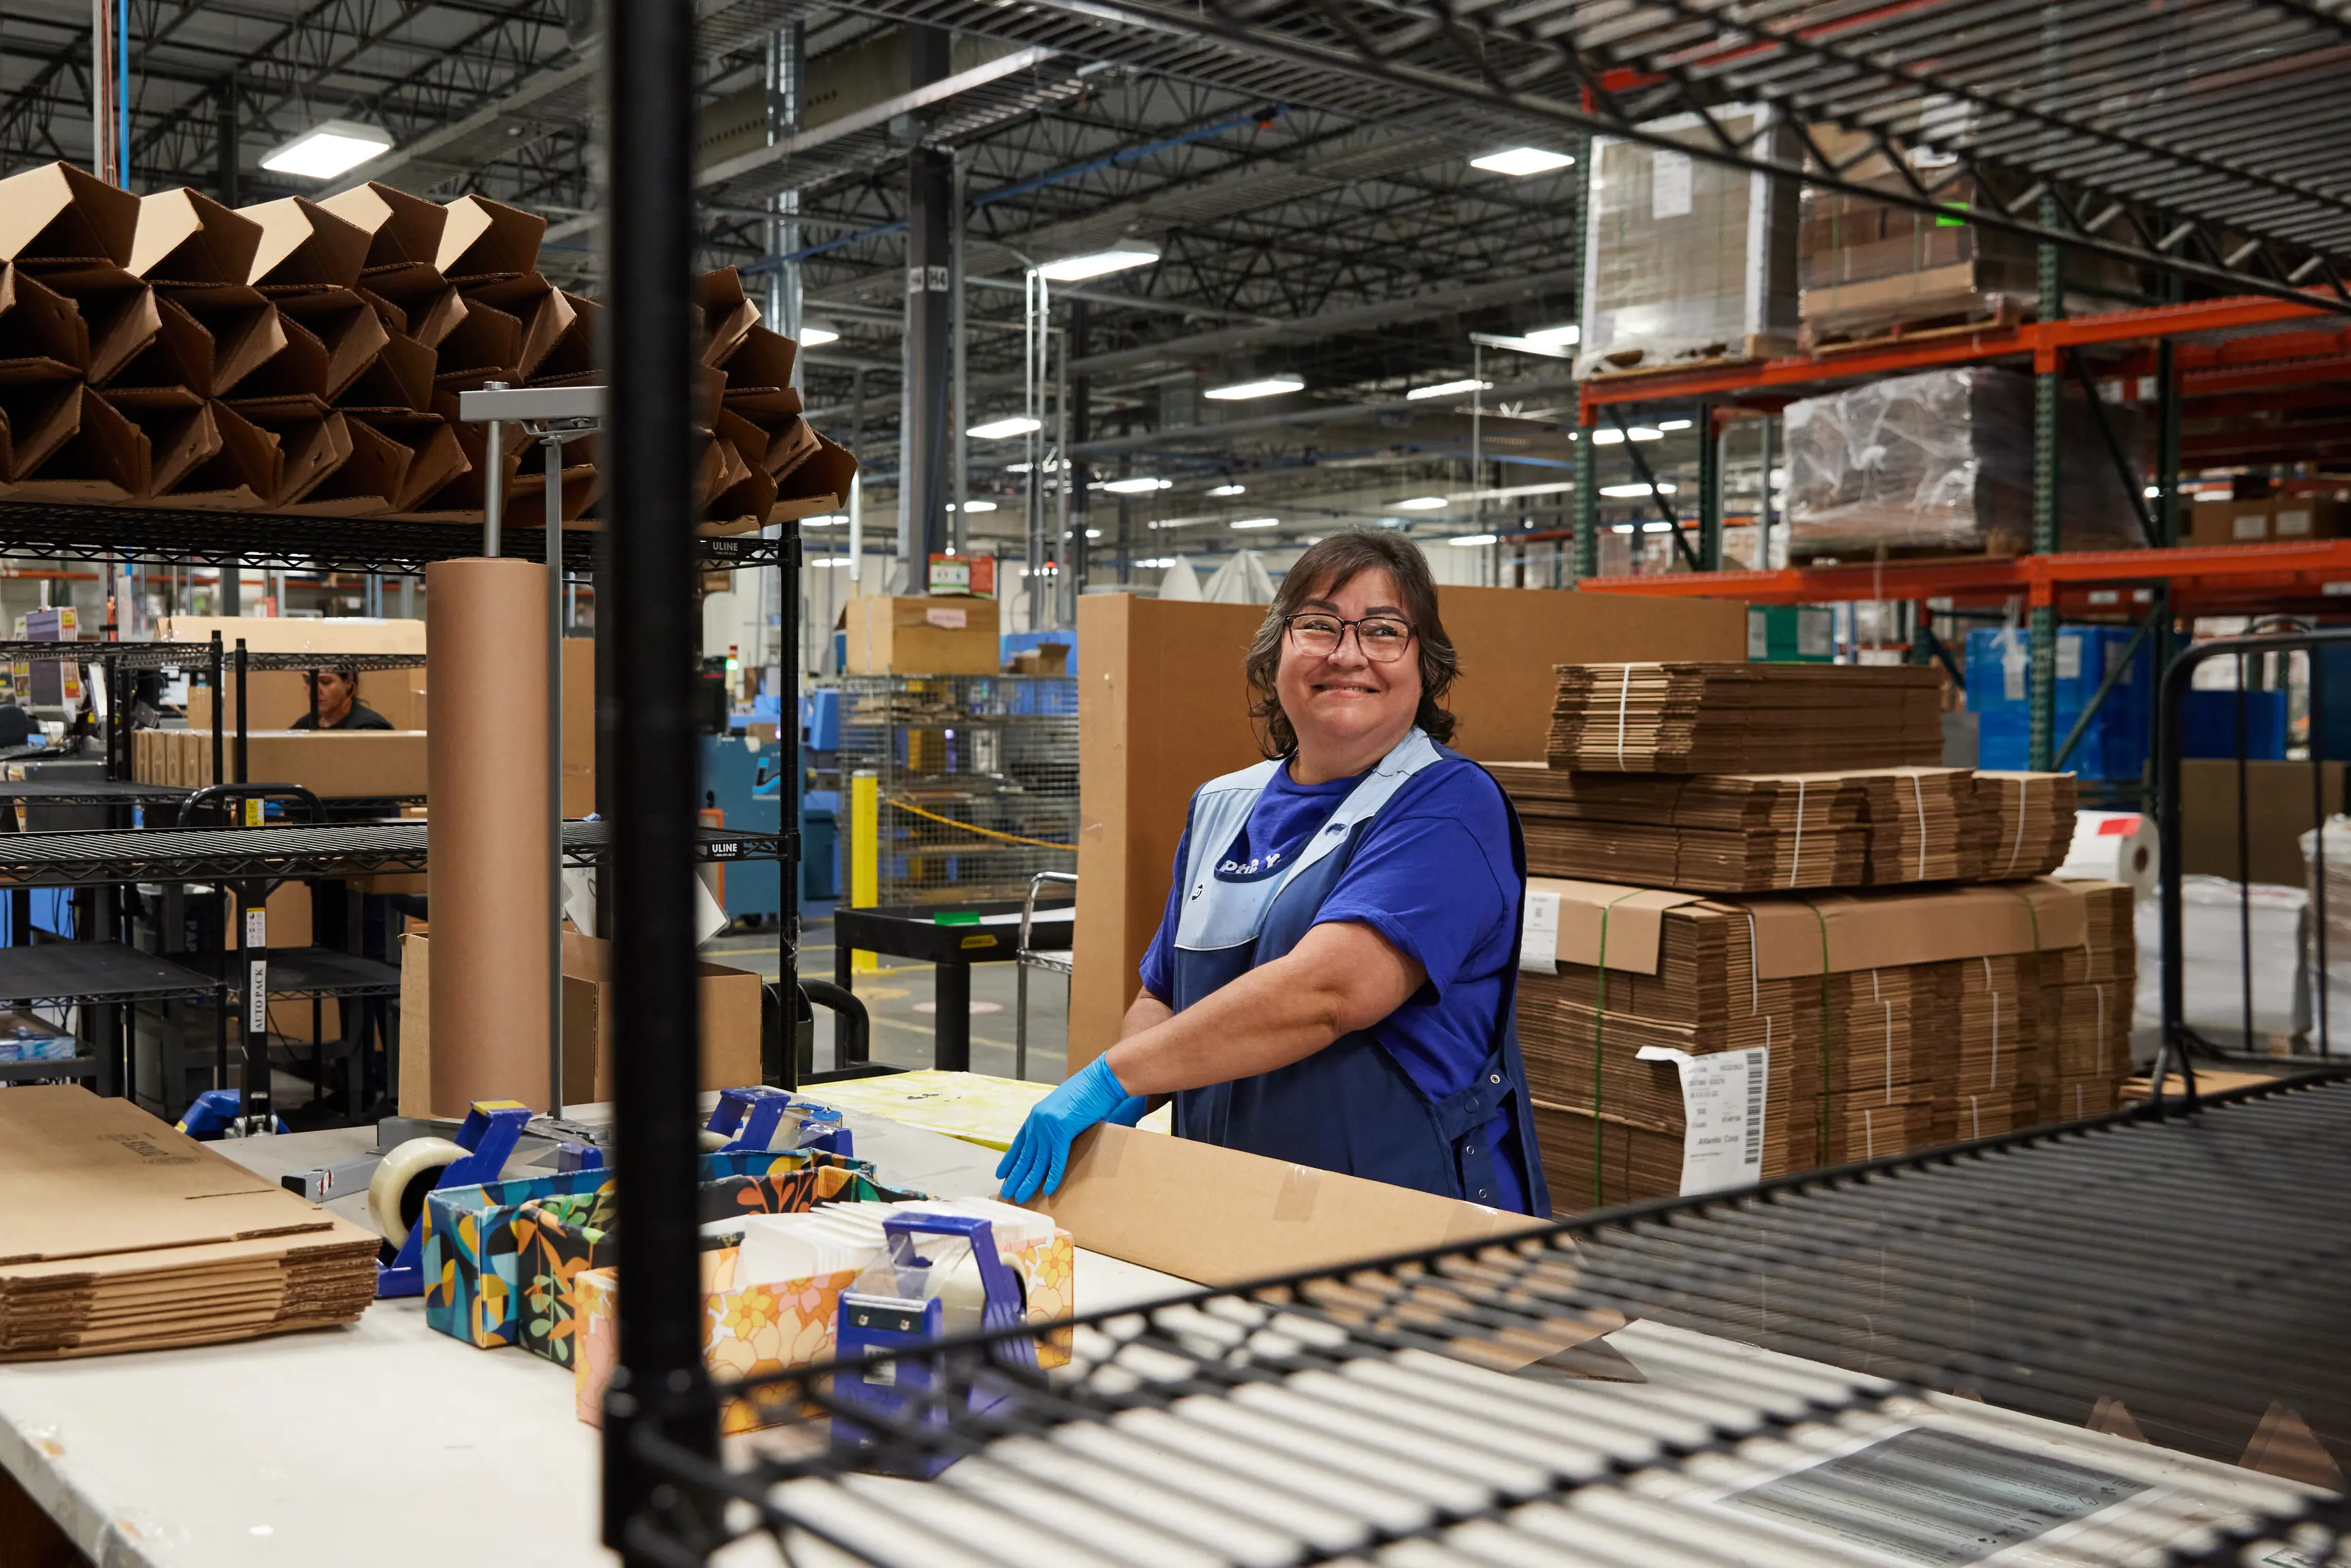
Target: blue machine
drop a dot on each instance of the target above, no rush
(903, 1302)
(740, 779)
(487, 1136)
(745, 1119)
(821, 808)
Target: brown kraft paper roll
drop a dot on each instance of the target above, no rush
(485, 762)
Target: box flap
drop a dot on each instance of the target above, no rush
(1629, 920)
(57, 214)
(87, 1178)
(402, 229)
(1844, 932)
(185, 236)
(304, 242)
(483, 237)
(1219, 1216)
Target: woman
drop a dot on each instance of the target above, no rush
(1332, 983)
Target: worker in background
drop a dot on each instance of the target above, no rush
(1333, 982)
(335, 701)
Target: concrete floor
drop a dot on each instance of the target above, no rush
(904, 1036)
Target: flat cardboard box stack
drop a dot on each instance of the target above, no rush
(2085, 1006)
(306, 356)
(2026, 826)
(348, 764)
(1725, 717)
(1879, 1043)
(1705, 832)
(122, 1233)
(1921, 821)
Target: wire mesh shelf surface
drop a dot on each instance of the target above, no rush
(1927, 1359)
(974, 778)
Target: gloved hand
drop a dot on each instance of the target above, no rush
(1040, 1150)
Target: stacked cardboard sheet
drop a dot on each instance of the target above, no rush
(1922, 821)
(1725, 717)
(119, 1233)
(2025, 824)
(306, 356)
(2085, 1007)
(1860, 1002)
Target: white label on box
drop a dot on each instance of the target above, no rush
(2295, 524)
(1669, 185)
(1539, 940)
(256, 997)
(2335, 589)
(1813, 632)
(1759, 635)
(939, 615)
(1722, 1109)
(2012, 666)
(2068, 656)
(2249, 525)
(256, 927)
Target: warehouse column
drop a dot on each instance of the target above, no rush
(922, 426)
(1587, 502)
(1073, 551)
(1710, 490)
(2048, 389)
(225, 152)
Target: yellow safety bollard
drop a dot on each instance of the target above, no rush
(865, 856)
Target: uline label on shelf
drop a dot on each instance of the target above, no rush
(256, 997)
(1722, 1109)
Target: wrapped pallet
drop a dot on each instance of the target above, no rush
(1943, 461)
(1687, 259)
(1871, 268)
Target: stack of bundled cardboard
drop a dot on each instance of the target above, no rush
(2086, 993)
(2026, 824)
(120, 1234)
(1708, 832)
(1725, 717)
(1922, 821)
(1872, 1037)
(306, 357)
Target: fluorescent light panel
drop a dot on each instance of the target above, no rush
(1229, 490)
(328, 150)
(817, 336)
(1555, 337)
(1447, 389)
(1468, 539)
(1271, 386)
(1135, 487)
(1258, 523)
(1003, 429)
(1077, 268)
(1521, 161)
(1419, 504)
(1630, 492)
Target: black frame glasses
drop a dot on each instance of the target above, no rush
(1379, 656)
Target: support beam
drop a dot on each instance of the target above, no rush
(923, 487)
(2048, 390)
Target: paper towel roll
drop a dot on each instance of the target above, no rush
(485, 760)
(2113, 846)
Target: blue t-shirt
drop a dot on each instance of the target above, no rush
(1432, 873)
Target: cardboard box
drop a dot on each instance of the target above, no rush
(2279, 812)
(349, 764)
(2229, 523)
(2295, 518)
(730, 1023)
(921, 636)
(1219, 1216)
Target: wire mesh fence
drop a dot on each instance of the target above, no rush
(958, 788)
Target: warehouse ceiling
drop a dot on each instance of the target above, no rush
(1354, 249)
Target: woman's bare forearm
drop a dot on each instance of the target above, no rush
(1339, 977)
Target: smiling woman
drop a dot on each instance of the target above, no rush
(1333, 982)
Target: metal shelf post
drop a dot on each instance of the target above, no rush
(2048, 389)
(1709, 489)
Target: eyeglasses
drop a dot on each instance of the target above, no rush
(1382, 638)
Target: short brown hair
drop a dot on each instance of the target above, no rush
(1339, 559)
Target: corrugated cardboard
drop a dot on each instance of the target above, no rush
(2229, 522)
(185, 236)
(104, 458)
(1598, 918)
(305, 244)
(403, 230)
(2278, 796)
(58, 215)
(42, 335)
(922, 636)
(484, 237)
(1219, 1216)
(277, 634)
(730, 1009)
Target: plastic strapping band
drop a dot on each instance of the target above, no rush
(2023, 793)
(1889, 1053)
(1797, 858)
(1754, 971)
(1975, 1118)
(1919, 796)
(1869, 1134)
(1623, 695)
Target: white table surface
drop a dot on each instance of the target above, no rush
(384, 1443)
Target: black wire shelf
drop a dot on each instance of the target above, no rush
(1929, 1329)
(82, 532)
(248, 854)
(195, 656)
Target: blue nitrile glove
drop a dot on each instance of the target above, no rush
(1040, 1149)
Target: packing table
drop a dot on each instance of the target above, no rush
(382, 1444)
(983, 933)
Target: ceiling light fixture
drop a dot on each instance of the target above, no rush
(1004, 429)
(1634, 492)
(1673, 424)
(1077, 268)
(1468, 539)
(1555, 337)
(974, 505)
(824, 522)
(1135, 487)
(817, 336)
(1521, 161)
(1228, 490)
(329, 149)
(1447, 389)
(1271, 386)
(1258, 523)
(1420, 504)
(1645, 433)
(1607, 438)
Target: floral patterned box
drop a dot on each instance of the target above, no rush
(751, 1329)
(474, 1239)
